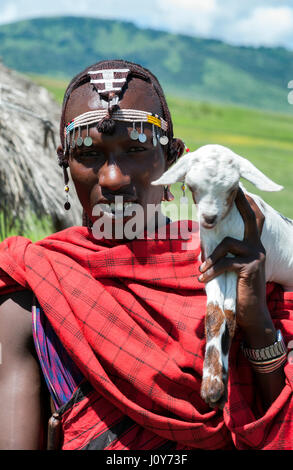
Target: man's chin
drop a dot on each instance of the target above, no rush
(118, 227)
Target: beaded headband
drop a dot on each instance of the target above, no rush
(127, 115)
(108, 83)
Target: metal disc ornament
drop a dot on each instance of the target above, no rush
(88, 141)
(155, 141)
(134, 134)
(142, 138)
(79, 141)
(164, 140)
(73, 139)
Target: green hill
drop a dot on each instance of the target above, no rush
(203, 69)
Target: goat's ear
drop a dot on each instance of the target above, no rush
(255, 176)
(177, 172)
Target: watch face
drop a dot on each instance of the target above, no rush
(279, 335)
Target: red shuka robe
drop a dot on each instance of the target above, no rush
(131, 315)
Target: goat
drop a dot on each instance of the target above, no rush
(212, 174)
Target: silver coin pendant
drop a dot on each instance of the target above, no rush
(79, 141)
(142, 138)
(164, 140)
(88, 141)
(134, 134)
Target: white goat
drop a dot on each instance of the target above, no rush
(212, 174)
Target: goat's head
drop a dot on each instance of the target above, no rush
(212, 174)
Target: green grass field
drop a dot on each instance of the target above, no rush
(265, 138)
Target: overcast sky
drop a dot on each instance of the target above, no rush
(248, 22)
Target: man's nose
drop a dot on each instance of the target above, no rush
(112, 178)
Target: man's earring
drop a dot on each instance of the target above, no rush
(184, 198)
(165, 193)
(67, 204)
(168, 196)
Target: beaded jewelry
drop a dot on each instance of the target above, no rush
(266, 367)
(108, 83)
(184, 198)
(126, 115)
(268, 359)
(67, 204)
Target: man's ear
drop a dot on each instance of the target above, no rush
(176, 150)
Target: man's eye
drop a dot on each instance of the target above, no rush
(136, 149)
(91, 155)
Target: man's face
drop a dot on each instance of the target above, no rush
(115, 165)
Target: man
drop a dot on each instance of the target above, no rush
(125, 318)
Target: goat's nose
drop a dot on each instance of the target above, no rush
(209, 219)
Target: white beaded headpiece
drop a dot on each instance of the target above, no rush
(109, 83)
(134, 116)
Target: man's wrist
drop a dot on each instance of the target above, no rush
(269, 353)
(262, 333)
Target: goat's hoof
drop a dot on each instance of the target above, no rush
(219, 404)
(212, 391)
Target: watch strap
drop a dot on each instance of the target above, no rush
(267, 353)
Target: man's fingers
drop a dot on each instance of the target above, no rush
(222, 266)
(228, 245)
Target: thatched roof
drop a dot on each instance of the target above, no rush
(30, 179)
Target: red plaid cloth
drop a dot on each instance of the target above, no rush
(131, 315)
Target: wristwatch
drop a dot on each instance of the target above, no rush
(269, 352)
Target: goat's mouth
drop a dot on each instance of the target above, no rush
(208, 226)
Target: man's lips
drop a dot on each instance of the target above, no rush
(118, 209)
(118, 199)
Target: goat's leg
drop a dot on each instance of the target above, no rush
(230, 326)
(230, 304)
(213, 387)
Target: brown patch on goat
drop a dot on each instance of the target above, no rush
(231, 197)
(211, 390)
(212, 387)
(213, 321)
(212, 361)
(231, 322)
(229, 202)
